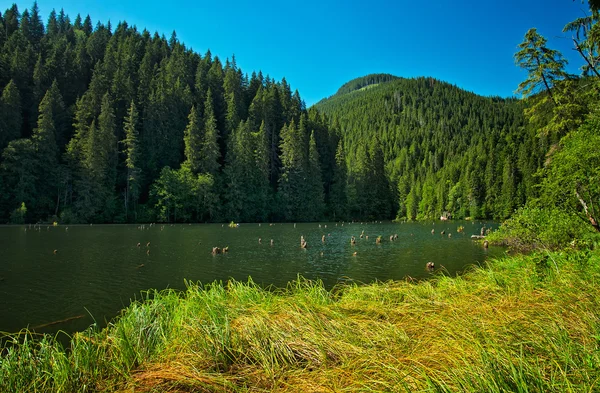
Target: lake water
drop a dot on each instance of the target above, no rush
(97, 270)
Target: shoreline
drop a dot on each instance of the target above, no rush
(516, 322)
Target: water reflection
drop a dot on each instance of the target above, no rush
(98, 269)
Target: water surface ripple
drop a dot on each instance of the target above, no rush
(97, 270)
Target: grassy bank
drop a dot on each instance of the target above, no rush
(521, 324)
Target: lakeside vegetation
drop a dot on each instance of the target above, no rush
(523, 323)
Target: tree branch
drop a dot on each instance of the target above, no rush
(578, 48)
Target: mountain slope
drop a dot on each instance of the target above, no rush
(444, 149)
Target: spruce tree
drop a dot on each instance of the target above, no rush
(210, 153)
(314, 183)
(46, 158)
(132, 152)
(292, 181)
(338, 198)
(193, 138)
(10, 114)
(238, 175)
(261, 186)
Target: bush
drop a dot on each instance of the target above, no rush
(550, 228)
(18, 215)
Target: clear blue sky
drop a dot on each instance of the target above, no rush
(319, 45)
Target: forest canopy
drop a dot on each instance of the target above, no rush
(102, 123)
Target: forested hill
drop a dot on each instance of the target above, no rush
(365, 81)
(102, 123)
(444, 150)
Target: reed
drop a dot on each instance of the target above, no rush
(520, 324)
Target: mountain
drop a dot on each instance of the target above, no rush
(361, 83)
(444, 150)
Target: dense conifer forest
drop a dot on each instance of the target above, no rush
(442, 149)
(102, 123)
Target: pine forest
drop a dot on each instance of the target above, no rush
(107, 124)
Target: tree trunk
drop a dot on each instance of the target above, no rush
(590, 217)
(578, 48)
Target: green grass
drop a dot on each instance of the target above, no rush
(520, 324)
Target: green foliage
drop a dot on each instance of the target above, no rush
(443, 150)
(182, 196)
(368, 80)
(192, 139)
(572, 177)
(544, 65)
(120, 104)
(338, 198)
(541, 227)
(314, 183)
(10, 114)
(132, 152)
(18, 215)
(210, 153)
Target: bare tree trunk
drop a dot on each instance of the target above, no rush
(590, 217)
(57, 202)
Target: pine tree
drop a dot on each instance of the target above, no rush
(193, 138)
(210, 153)
(314, 183)
(545, 66)
(36, 26)
(292, 182)
(338, 198)
(97, 174)
(508, 189)
(52, 25)
(379, 182)
(60, 116)
(261, 186)
(238, 175)
(10, 114)
(132, 159)
(46, 159)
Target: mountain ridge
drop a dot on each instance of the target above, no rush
(445, 149)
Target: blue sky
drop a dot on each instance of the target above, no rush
(319, 45)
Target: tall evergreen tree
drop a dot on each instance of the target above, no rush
(261, 186)
(292, 181)
(132, 152)
(46, 158)
(210, 153)
(10, 114)
(314, 183)
(338, 198)
(36, 26)
(193, 138)
(238, 170)
(545, 66)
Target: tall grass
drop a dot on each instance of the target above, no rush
(520, 324)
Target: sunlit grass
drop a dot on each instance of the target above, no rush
(521, 324)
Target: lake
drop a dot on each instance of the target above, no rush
(97, 270)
